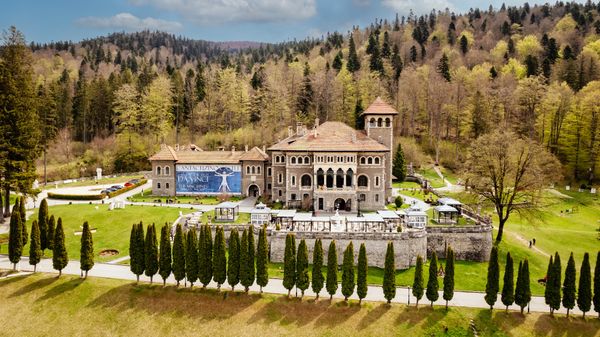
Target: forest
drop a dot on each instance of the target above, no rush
(535, 70)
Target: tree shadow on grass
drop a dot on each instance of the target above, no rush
(413, 315)
(373, 315)
(43, 282)
(61, 288)
(501, 319)
(10, 280)
(560, 325)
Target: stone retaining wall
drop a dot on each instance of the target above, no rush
(470, 243)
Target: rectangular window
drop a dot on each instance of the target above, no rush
(293, 196)
(377, 181)
(279, 193)
(293, 180)
(280, 178)
(376, 197)
(269, 171)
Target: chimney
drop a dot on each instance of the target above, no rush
(233, 149)
(176, 147)
(264, 148)
(246, 147)
(317, 122)
(290, 131)
(299, 129)
(353, 137)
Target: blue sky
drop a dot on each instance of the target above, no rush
(217, 20)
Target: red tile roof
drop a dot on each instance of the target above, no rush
(379, 107)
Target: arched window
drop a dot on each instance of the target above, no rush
(379, 122)
(167, 185)
(362, 160)
(158, 185)
(306, 160)
(376, 160)
(339, 179)
(349, 176)
(305, 180)
(247, 169)
(372, 122)
(363, 181)
(158, 171)
(258, 170)
(280, 178)
(320, 177)
(167, 171)
(377, 181)
(329, 179)
(293, 180)
(387, 123)
(293, 160)
(370, 161)
(253, 170)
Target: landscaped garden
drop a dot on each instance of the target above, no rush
(146, 196)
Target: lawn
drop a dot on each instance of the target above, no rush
(406, 184)
(434, 179)
(146, 196)
(100, 307)
(112, 180)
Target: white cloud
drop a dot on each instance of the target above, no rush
(129, 22)
(418, 6)
(219, 11)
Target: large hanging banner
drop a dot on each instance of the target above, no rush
(209, 179)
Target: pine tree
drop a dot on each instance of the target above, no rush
(338, 61)
(389, 274)
(523, 291)
(332, 265)
(150, 253)
(289, 263)
(353, 64)
(432, 282)
(359, 121)
(191, 257)
(87, 249)
(219, 258)
(236, 259)
(50, 226)
(59, 251)
(385, 47)
(317, 268)
(376, 63)
(348, 282)
(262, 259)
(443, 68)
(547, 289)
(584, 290)
(362, 271)
(396, 63)
(449, 277)
(399, 167)
(35, 251)
(135, 263)
(418, 283)
(493, 279)
(302, 280)
(164, 262)
(15, 239)
(179, 255)
(23, 213)
(205, 255)
(508, 294)
(569, 290)
(43, 223)
(305, 97)
(464, 44)
(248, 280)
(596, 298)
(554, 284)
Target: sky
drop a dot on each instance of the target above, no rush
(216, 20)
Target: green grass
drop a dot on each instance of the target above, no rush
(406, 184)
(147, 196)
(100, 307)
(434, 179)
(114, 180)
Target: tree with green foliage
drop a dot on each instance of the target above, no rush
(359, 121)
(43, 223)
(262, 259)
(317, 268)
(548, 272)
(443, 67)
(179, 254)
(523, 290)
(492, 285)
(418, 288)
(134, 253)
(87, 249)
(249, 274)
(508, 294)
(385, 46)
(23, 213)
(205, 255)
(50, 226)
(332, 266)
(353, 64)
(464, 44)
(289, 263)
(35, 250)
(596, 298)
(302, 279)
(348, 282)
(398, 202)
(584, 291)
(60, 259)
(569, 291)
(219, 258)
(432, 282)
(150, 252)
(191, 256)
(553, 285)
(389, 274)
(236, 259)
(399, 166)
(449, 277)
(164, 262)
(338, 61)
(15, 239)
(362, 271)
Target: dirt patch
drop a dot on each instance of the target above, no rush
(109, 252)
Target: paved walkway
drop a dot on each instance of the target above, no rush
(275, 286)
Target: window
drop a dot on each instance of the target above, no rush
(372, 122)
(167, 171)
(293, 160)
(293, 196)
(306, 160)
(247, 169)
(269, 171)
(379, 122)
(305, 181)
(339, 179)
(377, 181)
(329, 179)
(158, 185)
(370, 161)
(280, 178)
(362, 160)
(376, 160)
(320, 177)
(376, 197)
(167, 185)
(269, 186)
(363, 181)
(387, 123)
(258, 170)
(158, 171)
(362, 197)
(279, 193)
(293, 180)
(349, 175)
(253, 170)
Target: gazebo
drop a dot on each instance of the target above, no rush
(284, 218)
(260, 215)
(451, 202)
(445, 214)
(392, 219)
(416, 218)
(226, 211)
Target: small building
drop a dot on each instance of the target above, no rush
(451, 202)
(260, 215)
(302, 221)
(444, 214)
(369, 222)
(226, 211)
(284, 218)
(416, 218)
(391, 218)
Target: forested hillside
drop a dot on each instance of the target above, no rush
(109, 102)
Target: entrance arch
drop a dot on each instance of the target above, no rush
(253, 191)
(340, 204)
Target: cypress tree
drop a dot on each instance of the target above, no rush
(547, 289)
(418, 283)
(493, 279)
(449, 277)
(249, 275)
(179, 255)
(150, 253)
(289, 263)
(399, 168)
(164, 262)
(389, 274)
(87, 249)
(523, 291)
(191, 257)
(59, 251)
(243, 255)
(332, 282)
(596, 298)
(508, 294)
(136, 255)
(569, 290)
(519, 287)
(302, 268)
(23, 213)
(50, 226)
(35, 250)
(361, 278)
(554, 284)
(353, 64)
(262, 259)
(15, 239)
(432, 282)
(584, 291)
(43, 223)
(219, 258)
(205, 255)
(235, 258)
(317, 268)
(348, 272)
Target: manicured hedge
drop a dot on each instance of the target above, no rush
(94, 196)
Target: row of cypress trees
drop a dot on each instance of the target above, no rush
(196, 256)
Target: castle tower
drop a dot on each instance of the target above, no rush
(379, 125)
